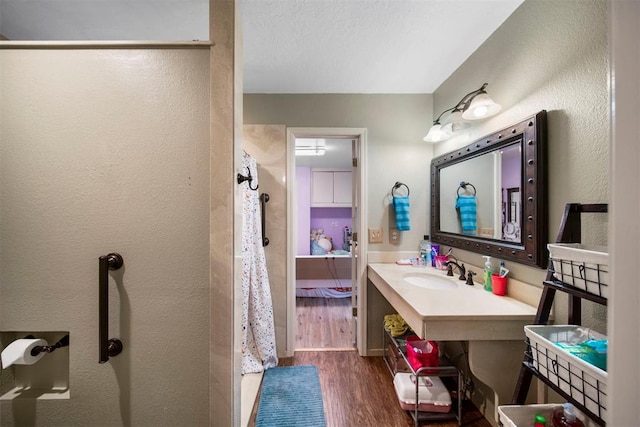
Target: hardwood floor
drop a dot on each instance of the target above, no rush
(324, 323)
(358, 391)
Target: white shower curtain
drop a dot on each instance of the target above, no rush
(258, 332)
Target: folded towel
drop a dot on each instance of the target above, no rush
(401, 205)
(466, 207)
(395, 324)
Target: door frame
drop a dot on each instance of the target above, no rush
(292, 220)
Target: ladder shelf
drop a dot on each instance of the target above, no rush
(569, 232)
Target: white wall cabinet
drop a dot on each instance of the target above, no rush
(330, 188)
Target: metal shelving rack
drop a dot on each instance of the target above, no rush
(569, 232)
(444, 370)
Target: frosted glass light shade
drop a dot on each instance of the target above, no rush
(436, 134)
(481, 106)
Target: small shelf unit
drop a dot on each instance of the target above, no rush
(569, 232)
(396, 348)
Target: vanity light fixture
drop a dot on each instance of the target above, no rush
(475, 105)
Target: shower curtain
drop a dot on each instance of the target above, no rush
(258, 332)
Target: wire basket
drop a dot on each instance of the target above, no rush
(584, 382)
(581, 266)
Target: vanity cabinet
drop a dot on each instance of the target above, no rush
(330, 188)
(395, 357)
(575, 385)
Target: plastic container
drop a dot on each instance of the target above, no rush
(433, 396)
(441, 262)
(487, 272)
(525, 415)
(435, 251)
(499, 284)
(565, 416)
(422, 353)
(584, 382)
(425, 250)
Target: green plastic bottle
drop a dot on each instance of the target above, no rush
(539, 421)
(488, 271)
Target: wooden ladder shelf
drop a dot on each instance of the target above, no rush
(569, 232)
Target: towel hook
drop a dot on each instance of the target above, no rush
(463, 185)
(398, 185)
(241, 178)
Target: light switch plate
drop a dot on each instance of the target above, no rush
(375, 235)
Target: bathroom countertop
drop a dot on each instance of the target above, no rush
(462, 313)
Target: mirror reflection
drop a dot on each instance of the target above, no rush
(480, 197)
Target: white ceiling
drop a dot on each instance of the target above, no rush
(362, 46)
(291, 46)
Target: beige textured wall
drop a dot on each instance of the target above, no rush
(267, 144)
(549, 55)
(100, 151)
(395, 126)
(226, 213)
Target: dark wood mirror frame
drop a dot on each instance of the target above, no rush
(532, 132)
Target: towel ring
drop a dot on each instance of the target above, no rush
(398, 185)
(463, 185)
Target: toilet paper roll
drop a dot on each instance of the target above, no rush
(19, 352)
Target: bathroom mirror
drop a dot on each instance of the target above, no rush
(490, 196)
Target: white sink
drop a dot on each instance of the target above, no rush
(429, 281)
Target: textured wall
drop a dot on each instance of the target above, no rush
(107, 150)
(553, 56)
(395, 127)
(267, 144)
(226, 214)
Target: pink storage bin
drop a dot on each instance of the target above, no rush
(422, 353)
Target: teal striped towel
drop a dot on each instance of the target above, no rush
(401, 205)
(466, 207)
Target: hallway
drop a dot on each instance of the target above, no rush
(324, 323)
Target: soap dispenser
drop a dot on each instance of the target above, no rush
(488, 271)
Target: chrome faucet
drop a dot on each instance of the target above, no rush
(461, 269)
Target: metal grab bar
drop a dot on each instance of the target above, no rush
(264, 198)
(107, 347)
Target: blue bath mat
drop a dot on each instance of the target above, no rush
(290, 397)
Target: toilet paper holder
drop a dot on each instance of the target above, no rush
(62, 342)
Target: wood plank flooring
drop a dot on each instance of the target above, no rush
(324, 323)
(358, 391)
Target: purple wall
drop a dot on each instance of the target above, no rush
(333, 221)
(511, 174)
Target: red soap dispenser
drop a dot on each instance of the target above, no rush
(565, 416)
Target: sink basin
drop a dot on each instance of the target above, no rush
(429, 281)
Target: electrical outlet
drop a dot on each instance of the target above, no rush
(375, 235)
(394, 235)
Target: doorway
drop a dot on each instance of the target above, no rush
(324, 270)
